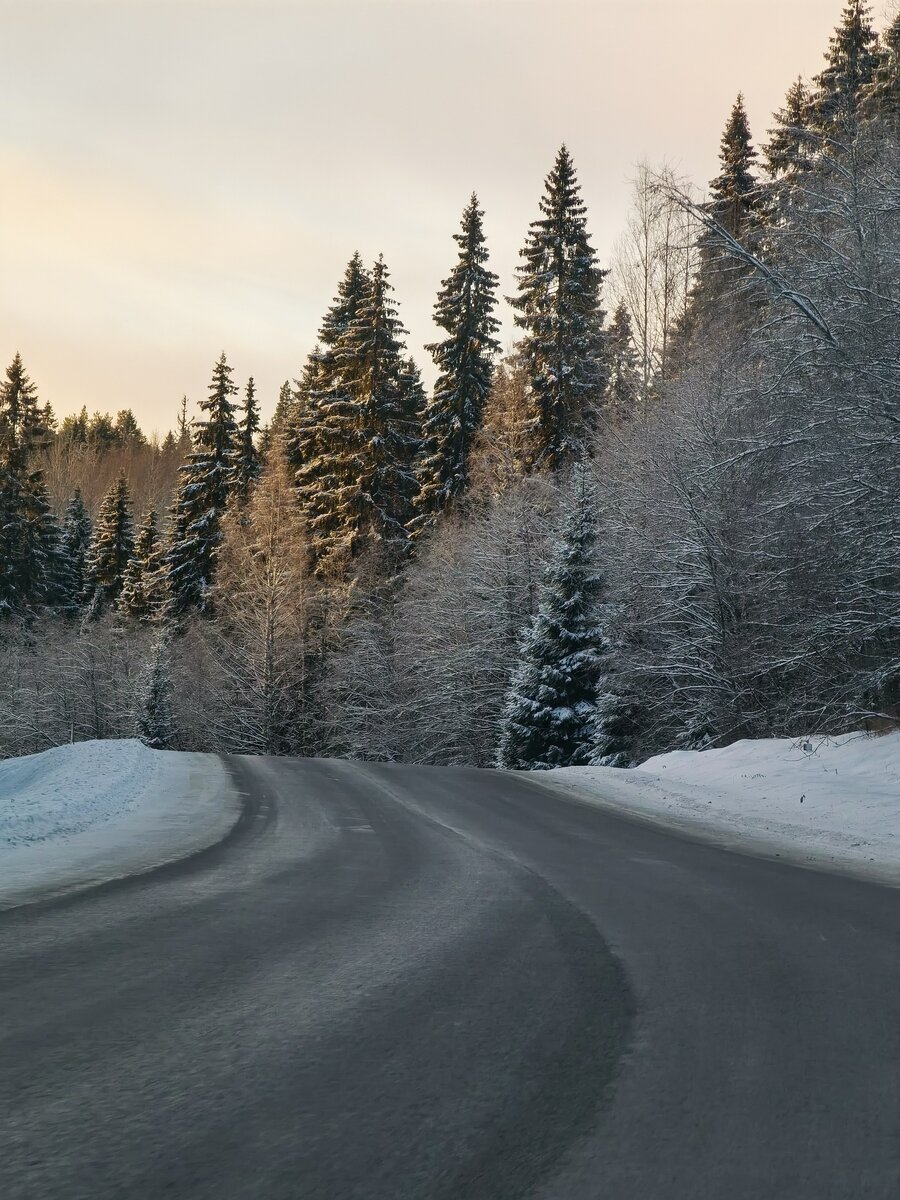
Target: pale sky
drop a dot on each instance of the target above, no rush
(180, 178)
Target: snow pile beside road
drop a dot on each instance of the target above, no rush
(815, 800)
(82, 814)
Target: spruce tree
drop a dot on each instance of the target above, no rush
(324, 444)
(153, 716)
(790, 142)
(739, 205)
(283, 424)
(74, 428)
(624, 386)
(101, 432)
(357, 434)
(28, 534)
(208, 479)
(851, 63)
(385, 394)
(735, 198)
(112, 548)
(77, 534)
(127, 430)
(185, 440)
(247, 461)
(549, 716)
(558, 309)
(42, 562)
(284, 406)
(412, 407)
(882, 95)
(616, 727)
(144, 593)
(465, 362)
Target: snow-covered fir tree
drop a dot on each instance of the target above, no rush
(247, 460)
(385, 392)
(624, 386)
(790, 141)
(42, 549)
(208, 479)
(465, 362)
(413, 403)
(127, 430)
(850, 65)
(734, 195)
(882, 94)
(558, 309)
(616, 725)
(112, 548)
(75, 544)
(738, 205)
(325, 441)
(28, 533)
(287, 424)
(358, 433)
(284, 406)
(283, 423)
(185, 440)
(154, 716)
(145, 595)
(549, 717)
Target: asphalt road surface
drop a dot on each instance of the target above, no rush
(400, 983)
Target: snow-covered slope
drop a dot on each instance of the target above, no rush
(825, 801)
(82, 814)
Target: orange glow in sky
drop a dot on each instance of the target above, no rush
(178, 179)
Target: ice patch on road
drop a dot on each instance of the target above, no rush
(81, 814)
(824, 801)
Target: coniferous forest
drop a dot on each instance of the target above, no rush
(669, 518)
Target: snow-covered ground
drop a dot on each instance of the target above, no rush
(821, 801)
(82, 814)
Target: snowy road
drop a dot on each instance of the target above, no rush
(396, 983)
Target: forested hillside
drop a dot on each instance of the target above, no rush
(670, 518)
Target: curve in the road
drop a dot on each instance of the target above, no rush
(344, 999)
(396, 982)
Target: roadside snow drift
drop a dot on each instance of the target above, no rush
(83, 814)
(820, 801)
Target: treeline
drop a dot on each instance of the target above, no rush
(672, 527)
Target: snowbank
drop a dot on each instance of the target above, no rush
(83, 814)
(820, 801)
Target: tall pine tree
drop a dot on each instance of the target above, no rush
(247, 461)
(465, 362)
(882, 94)
(325, 440)
(144, 593)
(28, 532)
(153, 714)
(624, 386)
(385, 393)
(739, 205)
(75, 545)
(790, 142)
(735, 199)
(185, 441)
(549, 719)
(112, 548)
(850, 66)
(282, 428)
(357, 435)
(558, 309)
(208, 479)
